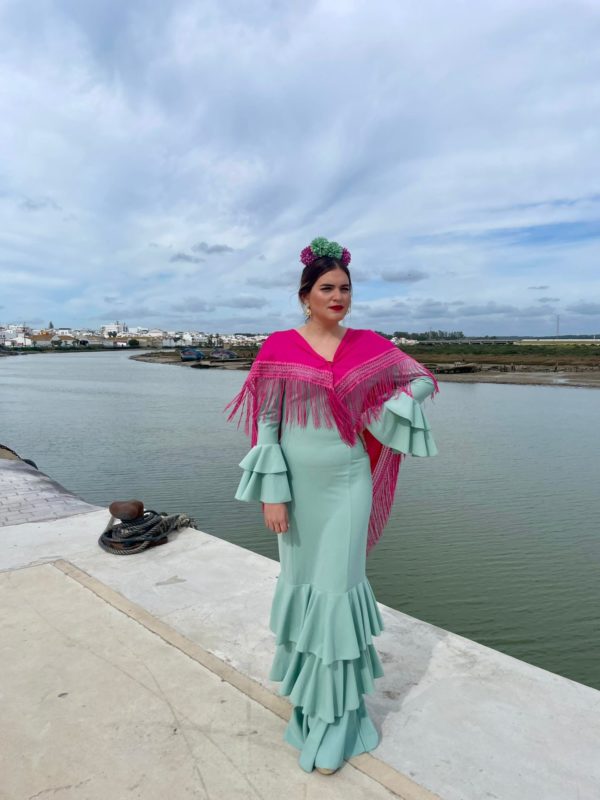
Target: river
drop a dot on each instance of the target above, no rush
(497, 538)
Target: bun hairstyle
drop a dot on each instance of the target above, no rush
(319, 257)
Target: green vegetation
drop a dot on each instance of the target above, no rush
(427, 335)
(544, 355)
(531, 355)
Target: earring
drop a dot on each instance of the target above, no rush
(307, 311)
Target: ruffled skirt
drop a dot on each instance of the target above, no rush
(324, 614)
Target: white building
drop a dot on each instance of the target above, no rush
(63, 340)
(403, 340)
(20, 340)
(116, 328)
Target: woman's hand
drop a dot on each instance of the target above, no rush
(276, 517)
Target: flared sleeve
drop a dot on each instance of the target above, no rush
(402, 424)
(265, 475)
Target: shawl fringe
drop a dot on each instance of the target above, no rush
(385, 478)
(354, 401)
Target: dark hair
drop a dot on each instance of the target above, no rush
(313, 271)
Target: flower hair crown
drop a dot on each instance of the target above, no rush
(320, 247)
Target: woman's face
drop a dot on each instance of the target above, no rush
(329, 298)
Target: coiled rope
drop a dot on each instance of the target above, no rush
(151, 528)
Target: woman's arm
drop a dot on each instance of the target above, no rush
(275, 514)
(402, 424)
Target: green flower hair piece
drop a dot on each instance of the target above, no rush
(323, 247)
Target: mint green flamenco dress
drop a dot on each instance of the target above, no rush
(324, 614)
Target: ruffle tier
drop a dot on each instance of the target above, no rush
(324, 654)
(328, 744)
(334, 627)
(265, 475)
(325, 690)
(402, 424)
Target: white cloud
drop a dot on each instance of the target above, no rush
(454, 146)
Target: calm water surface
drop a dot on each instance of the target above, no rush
(497, 538)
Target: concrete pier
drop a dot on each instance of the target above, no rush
(144, 676)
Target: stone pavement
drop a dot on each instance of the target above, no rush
(95, 706)
(27, 495)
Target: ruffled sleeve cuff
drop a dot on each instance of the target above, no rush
(265, 475)
(403, 426)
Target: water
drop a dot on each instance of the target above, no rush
(496, 538)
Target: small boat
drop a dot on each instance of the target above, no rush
(191, 354)
(451, 369)
(229, 363)
(218, 354)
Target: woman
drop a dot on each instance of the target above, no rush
(331, 412)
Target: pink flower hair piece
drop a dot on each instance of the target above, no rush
(307, 256)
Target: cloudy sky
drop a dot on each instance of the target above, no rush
(164, 162)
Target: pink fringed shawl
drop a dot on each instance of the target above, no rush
(349, 392)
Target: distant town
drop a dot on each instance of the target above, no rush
(119, 335)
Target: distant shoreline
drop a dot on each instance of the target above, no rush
(174, 358)
(568, 377)
(589, 380)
